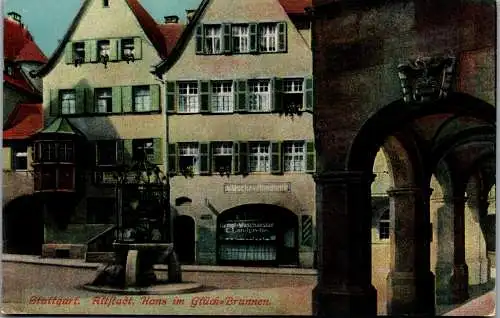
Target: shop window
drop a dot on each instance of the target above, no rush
(384, 226)
(100, 210)
(20, 158)
(142, 99)
(106, 151)
(143, 149)
(104, 100)
(189, 158)
(222, 157)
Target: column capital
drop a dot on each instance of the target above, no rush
(344, 177)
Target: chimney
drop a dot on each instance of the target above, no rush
(14, 16)
(190, 14)
(171, 19)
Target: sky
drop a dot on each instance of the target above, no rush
(48, 20)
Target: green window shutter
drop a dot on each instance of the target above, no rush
(116, 99)
(226, 38)
(127, 99)
(68, 54)
(80, 100)
(171, 97)
(155, 97)
(243, 148)
(276, 158)
(94, 151)
(55, 110)
(137, 48)
(89, 100)
(205, 158)
(309, 94)
(236, 158)
(254, 41)
(88, 51)
(200, 47)
(158, 151)
(120, 157)
(282, 38)
(204, 89)
(240, 88)
(310, 157)
(277, 85)
(114, 46)
(127, 150)
(173, 164)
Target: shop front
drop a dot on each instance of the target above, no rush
(257, 234)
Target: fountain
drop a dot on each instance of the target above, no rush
(144, 236)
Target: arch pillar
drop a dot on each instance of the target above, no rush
(410, 280)
(460, 278)
(343, 221)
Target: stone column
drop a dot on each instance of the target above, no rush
(460, 278)
(410, 281)
(344, 245)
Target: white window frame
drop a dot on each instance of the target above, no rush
(189, 98)
(259, 157)
(294, 154)
(19, 153)
(68, 102)
(268, 37)
(190, 150)
(213, 38)
(104, 99)
(142, 99)
(79, 50)
(222, 97)
(241, 37)
(222, 150)
(127, 48)
(104, 47)
(259, 95)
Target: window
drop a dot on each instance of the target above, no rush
(68, 102)
(143, 149)
(48, 151)
(105, 3)
(294, 156)
(213, 39)
(79, 52)
(293, 94)
(188, 98)
(259, 158)
(106, 151)
(142, 100)
(268, 38)
(188, 158)
(127, 48)
(104, 100)
(259, 95)
(20, 158)
(103, 48)
(241, 38)
(222, 97)
(100, 210)
(222, 157)
(65, 152)
(384, 226)
(9, 69)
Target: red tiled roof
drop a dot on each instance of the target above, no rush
(24, 121)
(19, 44)
(295, 6)
(172, 33)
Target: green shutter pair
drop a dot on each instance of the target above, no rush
(80, 101)
(127, 98)
(240, 157)
(172, 96)
(124, 151)
(277, 157)
(92, 54)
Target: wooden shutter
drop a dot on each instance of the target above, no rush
(277, 85)
(68, 54)
(243, 152)
(200, 47)
(128, 150)
(127, 99)
(310, 157)
(204, 89)
(254, 39)
(116, 96)
(155, 97)
(89, 100)
(173, 164)
(205, 158)
(276, 158)
(236, 158)
(282, 37)
(240, 87)
(308, 94)
(120, 156)
(90, 55)
(55, 109)
(114, 47)
(158, 151)
(171, 91)
(137, 48)
(80, 100)
(226, 38)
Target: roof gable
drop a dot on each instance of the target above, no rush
(19, 44)
(23, 121)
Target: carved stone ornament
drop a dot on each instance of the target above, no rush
(426, 79)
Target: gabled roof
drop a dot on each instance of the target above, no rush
(23, 121)
(19, 44)
(295, 6)
(61, 125)
(172, 33)
(148, 24)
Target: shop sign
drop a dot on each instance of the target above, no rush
(244, 230)
(258, 187)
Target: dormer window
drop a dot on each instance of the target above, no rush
(105, 3)
(79, 52)
(128, 50)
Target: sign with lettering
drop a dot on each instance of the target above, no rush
(259, 187)
(247, 230)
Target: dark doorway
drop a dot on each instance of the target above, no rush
(22, 221)
(184, 238)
